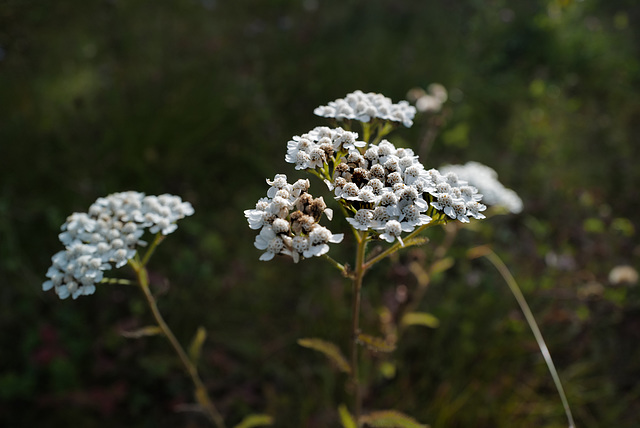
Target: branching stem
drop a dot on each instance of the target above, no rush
(200, 391)
(156, 241)
(409, 241)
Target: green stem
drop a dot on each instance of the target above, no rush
(409, 241)
(366, 131)
(156, 241)
(355, 328)
(337, 265)
(119, 281)
(346, 214)
(524, 307)
(200, 391)
(383, 128)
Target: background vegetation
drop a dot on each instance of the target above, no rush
(198, 98)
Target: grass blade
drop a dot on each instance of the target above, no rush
(504, 271)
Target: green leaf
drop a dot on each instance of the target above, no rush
(458, 136)
(421, 275)
(624, 226)
(416, 240)
(346, 418)
(255, 421)
(420, 318)
(376, 344)
(150, 330)
(388, 369)
(329, 349)
(593, 225)
(391, 419)
(441, 265)
(196, 345)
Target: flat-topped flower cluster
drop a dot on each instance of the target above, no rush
(107, 235)
(486, 180)
(364, 107)
(384, 190)
(288, 221)
(390, 192)
(320, 146)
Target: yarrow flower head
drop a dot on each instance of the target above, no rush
(108, 235)
(485, 179)
(453, 196)
(384, 190)
(320, 146)
(367, 106)
(288, 221)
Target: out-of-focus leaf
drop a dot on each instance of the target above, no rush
(255, 421)
(345, 417)
(196, 345)
(441, 265)
(416, 241)
(593, 225)
(376, 344)
(479, 251)
(150, 330)
(420, 318)
(391, 419)
(458, 136)
(421, 275)
(388, 369)
(624, 226)
(330, 350)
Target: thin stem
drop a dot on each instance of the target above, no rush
(200, 390)
(408, 242)
(522, 302)
(451, 231)
(383, 129)
(337, 265)
(366, 131)
(119, 281)
(156, 241)
(355, 328)
(345, 213)
(431, 132)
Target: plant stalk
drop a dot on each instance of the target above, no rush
(200, 391)
(497, 262)
(355, 326)
(395, 247)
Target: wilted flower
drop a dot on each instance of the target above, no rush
(288, 221)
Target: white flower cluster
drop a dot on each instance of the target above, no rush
(108, 234)
(364, 107)
(486, 180)
(386, 188)
(315, 148)
(455, 197)
(430, 101)
(288, 221)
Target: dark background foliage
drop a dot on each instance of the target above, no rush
(198, 99)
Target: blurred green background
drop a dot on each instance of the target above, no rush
(199, 97)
